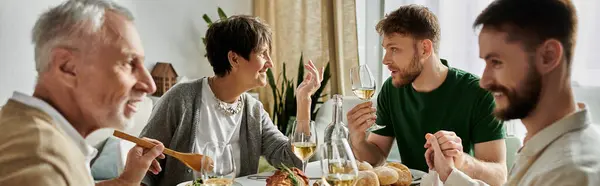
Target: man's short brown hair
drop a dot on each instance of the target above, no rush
(533, 22)
(416, 21)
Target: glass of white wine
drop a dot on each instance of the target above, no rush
(363, 86)
(338, 164)
(221, 170)
(304, 140)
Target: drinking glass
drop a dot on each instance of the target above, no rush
(220, 169)
(304, 140)
(363, 86)
(338, 165)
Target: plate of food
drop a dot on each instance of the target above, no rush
(391, 173)
(285, 176)
(199, 182)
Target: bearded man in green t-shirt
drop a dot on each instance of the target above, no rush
(426, 95)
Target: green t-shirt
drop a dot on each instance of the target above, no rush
(458, 105)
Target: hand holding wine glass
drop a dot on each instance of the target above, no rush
(304, 140)
(338, 164)
(222, 172)
(363, 86)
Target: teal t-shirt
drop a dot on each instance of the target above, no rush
(458, 105)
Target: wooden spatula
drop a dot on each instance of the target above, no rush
(192, 160)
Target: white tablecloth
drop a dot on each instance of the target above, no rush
(313, 170)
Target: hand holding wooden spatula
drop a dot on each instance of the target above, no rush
(192, 160)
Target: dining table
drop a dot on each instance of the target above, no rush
(313, 172)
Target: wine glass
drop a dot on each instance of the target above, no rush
(218, 165)
(304, 140)
(338, 164)
(363, 86)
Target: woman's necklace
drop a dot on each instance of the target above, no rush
(228, 109)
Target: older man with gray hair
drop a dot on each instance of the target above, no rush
(91, 75)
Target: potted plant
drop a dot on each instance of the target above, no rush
(209, 21)
(284, 98)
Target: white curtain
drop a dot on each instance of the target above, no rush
(459, 40)
(322, 30)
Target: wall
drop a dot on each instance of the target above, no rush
(368, 14)
(17, 68)
(171, 31)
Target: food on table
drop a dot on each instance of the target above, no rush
(367, 178)
(364, 165)
(285, 176)
(386, 175)
(392, 174)
(404, 175)
(197, 182)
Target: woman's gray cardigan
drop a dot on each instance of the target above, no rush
(175, 119)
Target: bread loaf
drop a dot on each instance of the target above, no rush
(367, 178)
(404, 175)
(386, 175)
(362, 166)
(404, 178)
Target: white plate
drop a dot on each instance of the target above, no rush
(416, 174)
(190, 183)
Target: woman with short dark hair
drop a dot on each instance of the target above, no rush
(218, 109)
